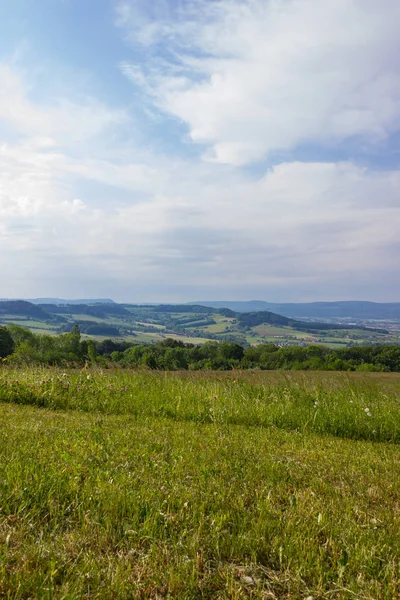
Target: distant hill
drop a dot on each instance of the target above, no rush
(252, 319)
(95, 310)
(264, 317)
(61, 301)
(319, 310)
(23, 308)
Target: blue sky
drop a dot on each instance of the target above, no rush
(186, 149)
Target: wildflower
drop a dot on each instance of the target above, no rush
(367, 411)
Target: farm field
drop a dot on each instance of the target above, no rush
(136, 484)
(28, 323)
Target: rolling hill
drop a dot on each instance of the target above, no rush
(189, 323)
(23, 308)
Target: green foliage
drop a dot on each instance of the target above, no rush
(46, 349)
(228, 355)
(230, 351)
(108, 346)
(6, 342)
(20, 334)
(172, 354)
(91, 352)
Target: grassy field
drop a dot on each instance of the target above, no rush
(122, 484)
(160, 327)
(272, 330)
(28, 323)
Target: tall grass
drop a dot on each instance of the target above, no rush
(352, 408)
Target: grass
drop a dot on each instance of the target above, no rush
(84, 317)
(335, 345)
(108, 320)
(28, 323)
(199, 485)
(271, 330)
(273, 334)
(149, 324)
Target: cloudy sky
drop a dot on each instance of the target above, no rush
(180, 150)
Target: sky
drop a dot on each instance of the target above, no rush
(184, 150)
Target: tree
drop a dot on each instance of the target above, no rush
(20, 335)
(91, 350)
(6, 342)
(70, 342)
(231, 350)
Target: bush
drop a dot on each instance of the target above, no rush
(6, 343)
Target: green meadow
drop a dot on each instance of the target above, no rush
(136, 484)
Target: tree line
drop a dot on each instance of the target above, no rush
(21, 346)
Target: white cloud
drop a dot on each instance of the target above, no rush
(301, 222)
(62, 122)
(249, 77)
(170, 223)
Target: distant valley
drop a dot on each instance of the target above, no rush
(336, 324)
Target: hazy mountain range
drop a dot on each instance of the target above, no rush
(317, 310)
(323, 310)
(64, 301)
